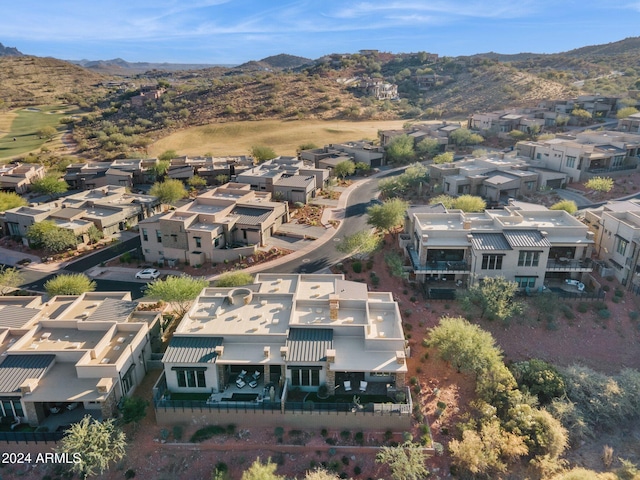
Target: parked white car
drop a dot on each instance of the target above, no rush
(148, 274)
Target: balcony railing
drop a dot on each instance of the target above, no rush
(570, 265)
(612, 169)
(459, 266)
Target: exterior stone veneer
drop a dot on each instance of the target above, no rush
(330, 380)
(109, 405)
(31, 413)
(400, 381)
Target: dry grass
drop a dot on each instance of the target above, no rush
(237, 138)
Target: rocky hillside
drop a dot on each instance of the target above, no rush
(9, 51)
(30, 80)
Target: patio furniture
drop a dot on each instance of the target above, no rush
(256, 374)
(54, 410)
(347, 386)
(363, 386)
(72, 406)
(240, 383)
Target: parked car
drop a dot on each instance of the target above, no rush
(148, 274)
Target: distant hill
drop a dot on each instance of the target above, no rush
(30, 80)
(118, 66)
(282, 61)
(629, 45)
(9, 51)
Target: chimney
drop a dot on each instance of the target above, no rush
(466, 224)
(219, 350)
(267, 351)
(333, 306)
(284, 351)
(331, 355)
(400, 357)
(104, 385)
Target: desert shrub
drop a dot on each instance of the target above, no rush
(278, 432)
(619, 293)
(634, 315)
(207, 432)
(324, 432)
(330, 441)
(598, 306)
(583, 307)
(604, 314)
(177, 432)
(357, 266)
(129, 473)
(357, 470)
(345, 435)
(359, 438)
(568, 313)
(540, 379)
(606, 288)
(345, 460)
(413, 380)
(616, 300)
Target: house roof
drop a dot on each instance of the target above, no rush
(296, 181)
(251, 216)
(489, 241)
(309, 344)
(112, 309)
(192, 350)
(526, 238)
(13, 316)
(17, 368)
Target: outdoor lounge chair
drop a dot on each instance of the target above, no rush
(347, 386)
(363, 386)
(240, 383)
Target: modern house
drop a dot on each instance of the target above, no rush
(218, 225)
(71, 352)
(630, 124)
(616, 229)
(378, 88)
(586, 154)
(285, 333)
(525, 243)
(18, 177)
(111, 209)
(362, 151)
(440, 131)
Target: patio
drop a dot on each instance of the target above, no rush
(66, 417)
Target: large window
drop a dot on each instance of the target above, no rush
(305, 376)
(528, 259)
(145, 236)
(571, 162)
(191, 377)
(198, 241)
(621, 248)
(492, 262)
(127, 379)
(524, 282)
(158, 236)
(11, 408)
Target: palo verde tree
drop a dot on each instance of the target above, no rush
(495, 297)
(406, 461)
(345, 168)
(463, 136)
(400, 150)
(360, 245)
(169, 191)
(69, 284)
(9, 200)
(48, 235)
(427, 147)
(262, 471)
(388, 215)
(568, 206)
(179, 292)
(234, 279)
(10, 278)
(600, 184)
(262, 153)
(93, 445)
(49, 185)
(446, 157)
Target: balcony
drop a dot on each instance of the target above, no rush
(435, 267)
(569, 265)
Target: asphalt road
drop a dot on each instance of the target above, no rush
(355, 220)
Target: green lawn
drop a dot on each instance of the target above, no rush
(22, 124)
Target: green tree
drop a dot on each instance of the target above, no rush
(9, 200)
(406, 461)
(517, 135)
(69, 284)
(447, 200)
(161, 168)
(344, 168)
(427, 147)
(446, 157)
(360, 245)
(49, 185)
(10, 278)
(469, 203)
(465, 346)
(222, 179)
(463, 137)
(234, 279)
(400, 150)
(387, 216)
(169, 191)
(543, 434)
(362, 167)
(391, 187)
(180, 291)
(625, 112)
(568, 206)
(167, 155)
(134, 409)
(93, 445)
(307, 146)
(600, 184)
(496, 297)
(582, 115)
(197, 182)
(486, 451)
(320, 474)
(94, 234)
(479, 152)
(46, 132)
(48, 235)
(262, 153)
(539, 378)
(262, 471)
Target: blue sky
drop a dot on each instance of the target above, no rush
(235, 31)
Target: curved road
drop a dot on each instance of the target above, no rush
(355, 220)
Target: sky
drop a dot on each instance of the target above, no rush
(236, 31)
